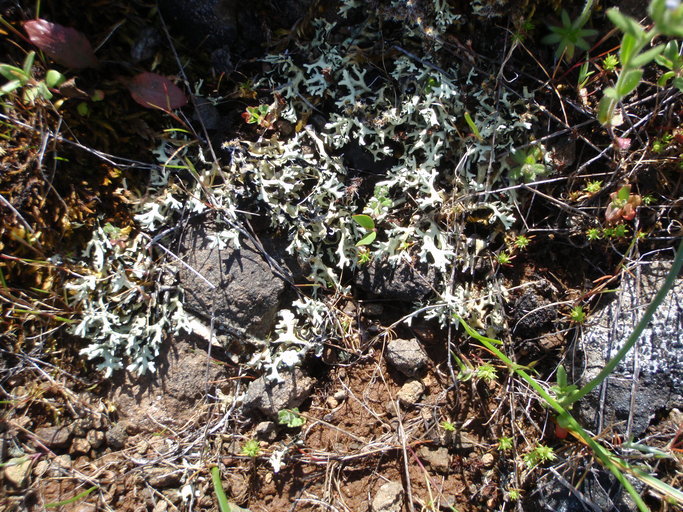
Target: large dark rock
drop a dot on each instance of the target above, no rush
(247, 294)
(404, 281)
(650, 379)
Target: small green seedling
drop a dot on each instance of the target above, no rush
(486, 372)
(584, 74)
(593, 187)
(504, 258)
(251, 448)
(447, 426)
(366, 222)
(671, 59)
(504, 443)
(514, 494)
(610, 62)
(473, 127)
(623, 205)
(571, 34)
(522, 242)
(258, 115)
(594, 234)
(529, 164)
(538, 455)
(23, 78)
(291, 418)
(577, 315)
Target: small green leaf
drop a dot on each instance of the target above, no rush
(28, 63)
(628, 47)
(611, 92)
(473, 127)
(678, 83)
(71, 500)
(606, 109)
(628, 81)
(646, 57)
(10, 86)
(665, 78)
(624, 193)
(13, 73)
(290, 417)
(364, 221)
(54, 78)
(625, 23)
(367, 239)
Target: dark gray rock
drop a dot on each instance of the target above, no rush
(599, 492)
(116, 437)
(270, 397)
(408, 282)
(247, 293)
(54, 437)
(407, 356)
(650, 379)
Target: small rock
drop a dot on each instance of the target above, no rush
(437, 458)
(411, 392)
(161, 506)
(80, 445)
(41, 468)
(340, 395)
(95, 438)
(54, 437)
(270, 397)
(389, 498)
(373, 309)
(161, 478)
(407, 356)
(487, 460)
(17, 470)
(266, 431)
(404, 281)
(116, 437)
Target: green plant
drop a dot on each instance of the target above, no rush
(593, 187)
(486, 372)
(622, 205)
(521, 242)
(251, 448)
(577, 315)
(291, 418)
(584, 74)
(504, 258)
(223, 504)
(610, 62)
(563, 404)
(366, 222)
(23, 78)
(668, 21)
(514, 494)
(504, 443)
(258, 115)
(539, 454)
(364, 256)
(594, 234)
(671, 59)
(529, 164)
(571, 34)
(447, 426)
(661, 144)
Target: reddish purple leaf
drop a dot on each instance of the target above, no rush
(66, 46)
(155, 91)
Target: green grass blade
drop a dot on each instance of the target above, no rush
(71, 500)
(218, 489)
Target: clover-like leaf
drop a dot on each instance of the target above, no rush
(367, 239)
(155, 91)
(65, 45)
(364, 221)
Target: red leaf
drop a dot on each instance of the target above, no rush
(155, 91)
(65, 45)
